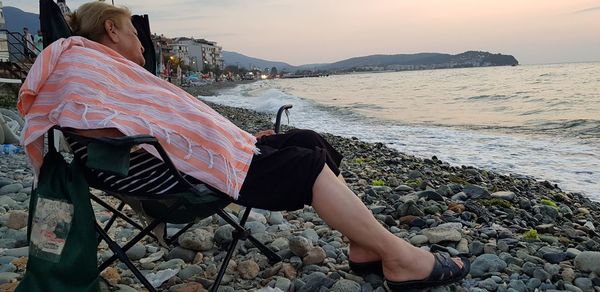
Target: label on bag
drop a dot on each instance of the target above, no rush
(50, 228)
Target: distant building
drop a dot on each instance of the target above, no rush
(212, 55)
(201, 53)
(180, 51)
(164, 51)
(4, 53)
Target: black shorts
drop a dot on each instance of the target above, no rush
(280, 178)
(283, 175)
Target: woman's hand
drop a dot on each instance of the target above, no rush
(264, 133)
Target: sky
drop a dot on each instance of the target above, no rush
(321, 31)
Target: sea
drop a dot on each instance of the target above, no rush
(541, 121)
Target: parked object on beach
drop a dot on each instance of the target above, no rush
(11, 149)
(8, 130)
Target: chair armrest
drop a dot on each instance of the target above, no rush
(126, 140)
(281, 110)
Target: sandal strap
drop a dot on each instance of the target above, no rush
(444, 268)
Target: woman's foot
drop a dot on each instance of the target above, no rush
(445, 271)
(417, 264)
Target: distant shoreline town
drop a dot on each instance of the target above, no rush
(189, 60)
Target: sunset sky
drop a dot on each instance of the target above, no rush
(317, 31)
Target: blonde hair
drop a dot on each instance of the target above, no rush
(88, 20)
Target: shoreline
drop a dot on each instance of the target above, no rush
(518, 232)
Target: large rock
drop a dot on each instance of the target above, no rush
(198, 240)
(588, 261)
(5, 181)
(224, 234)
(7, 277)
(17, 219)
(505, 195)
(410, 208)
(444, 232)
(136, 252)
(486, 263)
(11, 188)
(315, 281)
(476, 192)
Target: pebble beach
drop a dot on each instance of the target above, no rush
(521, 233)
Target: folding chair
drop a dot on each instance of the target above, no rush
(200, 202)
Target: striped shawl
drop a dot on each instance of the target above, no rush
(82, 84)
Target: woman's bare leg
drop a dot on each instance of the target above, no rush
(341, 209)
(358, 253)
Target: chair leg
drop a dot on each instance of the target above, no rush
(120, 253)
(113, 217)
(230, 251)
(271, 255)
(144, 232)
(175, 236)
(111, 220)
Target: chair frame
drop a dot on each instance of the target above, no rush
(119, 252)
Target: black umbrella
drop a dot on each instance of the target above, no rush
(52, 22)
(142, 25)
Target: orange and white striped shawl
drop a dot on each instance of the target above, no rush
(82, 84)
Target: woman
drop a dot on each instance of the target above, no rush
(96, 83)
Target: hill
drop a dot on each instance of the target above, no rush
(396, 62)
(16, 19)
(237, 59)
(421, 61)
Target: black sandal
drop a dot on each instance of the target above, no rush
(363, 269)
(445, 271)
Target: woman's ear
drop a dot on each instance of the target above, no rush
(111, 30)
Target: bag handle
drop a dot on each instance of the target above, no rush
(51, 147)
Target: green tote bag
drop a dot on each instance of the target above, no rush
(62, 238)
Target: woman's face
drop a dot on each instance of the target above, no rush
(128, 43)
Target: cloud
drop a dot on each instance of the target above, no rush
(591, 9)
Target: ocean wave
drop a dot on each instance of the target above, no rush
(490, 97)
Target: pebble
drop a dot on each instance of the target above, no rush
(419, 240)
(344, 285)
(299, 245)
(248, 269)
(315, 255)
(275, 218)
(179, 252)
(189, 272)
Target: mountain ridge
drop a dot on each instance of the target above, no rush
(16, 19)
(396, 62)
